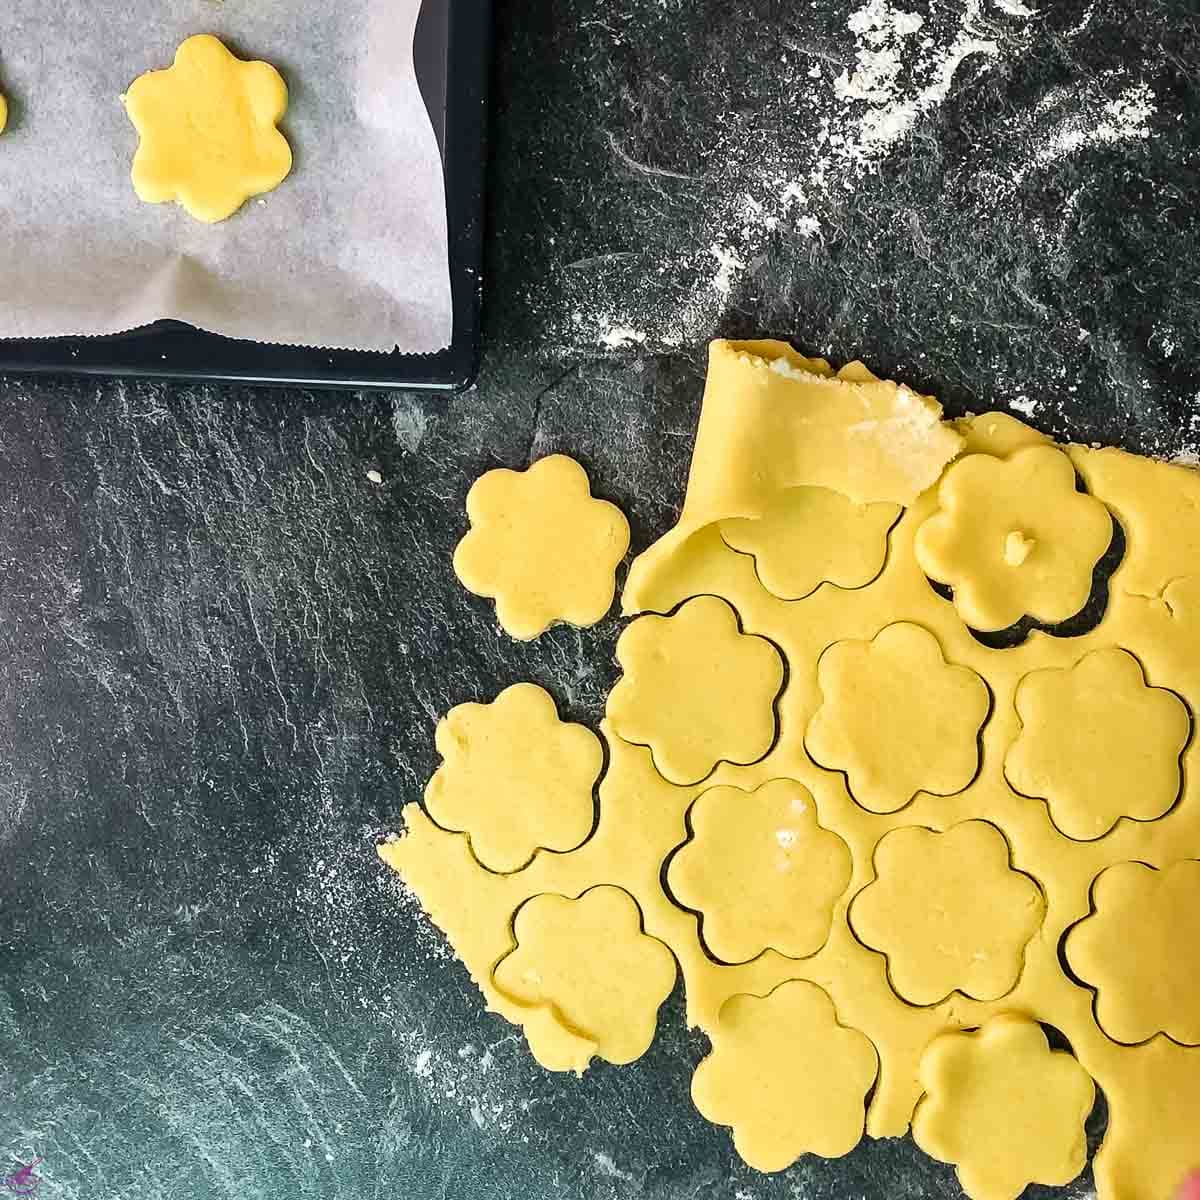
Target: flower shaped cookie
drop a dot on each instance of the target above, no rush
(590, 963)
(1098, 744)
(207, 130)
(542, 546)
(786, 1076)
(1004, 1108)
(696, 690)
(1140, 950)
(760, 871)
(514, 777)
(811, 535)
(948, 912)
(897, 718)
(1013, 537)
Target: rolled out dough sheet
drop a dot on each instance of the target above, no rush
(974, 855)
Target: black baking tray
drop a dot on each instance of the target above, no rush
(453, 54)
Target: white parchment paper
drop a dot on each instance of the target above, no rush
(349, 252)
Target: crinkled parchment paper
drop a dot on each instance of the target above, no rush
(349, 252)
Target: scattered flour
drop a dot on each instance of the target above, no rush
(858, 102)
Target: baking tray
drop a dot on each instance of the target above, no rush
(452, 55)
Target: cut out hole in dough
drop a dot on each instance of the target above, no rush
(696, 690)
(588, 962)
(760, 871)
(1098, 743)
(897, 718)
(811, 535)
(1140, 951)
(948, 912)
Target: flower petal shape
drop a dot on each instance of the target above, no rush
(897, 718)
(1013, 538)
(786, 1076)
(514, 778)
(542, 546)
(1140, 950)
(948, 912)
(1004, 1108)
(588, 961)
(207, 130)
(696, 690)
(1097, 743)
(813, 535)
(760, 871)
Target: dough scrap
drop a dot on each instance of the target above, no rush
(786, 1076)
(752, 444)
(760, 871)
(514, 777)
(807, 536)
(897, 718)
(542, 546)
(948, 912)
(772, 420)
(1004, 1108)
(1097, 743)
(1140, 949)
(1014, 538)
(589, 961)
(207, 130)
(696, 690)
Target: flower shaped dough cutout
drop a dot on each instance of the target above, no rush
(897, 718)
(590, 962)
(1140, 950)
(760, 871)
(948, 912)
(696, 690)
(1013, 538)
(786, 1077)
(542, 546)
(1098, 744)
(812, 535)
(1004, 1108)
(207, 130)
(514, 778)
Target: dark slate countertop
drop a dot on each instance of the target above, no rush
(225, 647)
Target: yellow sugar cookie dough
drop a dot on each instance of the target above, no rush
(542, 546)
(207, 130)
(1098, 743)
(786, 1076)
(3, 113)
(810, 535)
(1004, 1108)
(1012, 537)
(588, 961)
(948, 912)
(929, 727)
(897, 718)
(514, 777)
(1140, 949)
(696, 690)
(760, 871)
